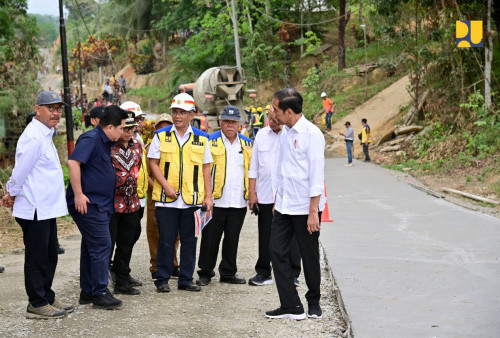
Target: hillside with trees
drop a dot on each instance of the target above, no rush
(350, 49)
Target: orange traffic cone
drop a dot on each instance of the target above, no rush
(325, 216)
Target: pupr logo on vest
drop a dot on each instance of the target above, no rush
(469, 34)
(214, 143)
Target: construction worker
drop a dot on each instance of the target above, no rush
(256, 120)
(328, 110)
(266, 115)
(162, 121)
(366, 138)
(231, 152)
(204, 121)
(179, 159)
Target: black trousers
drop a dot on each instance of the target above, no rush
(365, 151)
(123, 230)
(227, 221)
(283, 229)
(40, 259)
(263, 266)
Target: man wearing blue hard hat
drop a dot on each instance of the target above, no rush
(231, 152)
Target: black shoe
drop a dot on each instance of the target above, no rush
(2, 269)
(134, 282)
(85, 299)
(234, 279)
(60, 250)
(126, 289)
(260, 280)
(163, 288)
(314, 311)
(189, 287)
(154, 275)
(296, 282)
(203, 281)
(296, 313)
(106, 301)
(175, 273)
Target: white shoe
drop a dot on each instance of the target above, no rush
(348, 165)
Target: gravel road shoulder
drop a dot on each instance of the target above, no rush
(218, 310)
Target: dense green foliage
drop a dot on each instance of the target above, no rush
(18, 59)
(48, 26)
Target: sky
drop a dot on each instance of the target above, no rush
(43, 7)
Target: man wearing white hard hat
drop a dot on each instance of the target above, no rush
(328, 110)
(179, 158)
(140, 117)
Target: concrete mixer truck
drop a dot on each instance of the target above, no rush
(216, 88)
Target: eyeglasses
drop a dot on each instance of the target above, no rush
(180, 112)
(55, 108)
(140, 118)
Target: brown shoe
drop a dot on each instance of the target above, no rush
(61, 306)
(44, 312)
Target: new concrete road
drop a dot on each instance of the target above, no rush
(408, 264)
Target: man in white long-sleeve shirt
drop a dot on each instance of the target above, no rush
(263, 166)
(36, 192)
(299, 188)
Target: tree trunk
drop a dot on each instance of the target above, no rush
(488, 57)
(249, 20)
(361, 19)
(164, 49)
(343, 19)
(496, 16)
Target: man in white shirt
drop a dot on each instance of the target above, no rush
(36, 193)
(231, 152)
(263, 167)
(299, 184)
(179, 159)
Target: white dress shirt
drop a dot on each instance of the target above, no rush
(264, 163)
(154, 152)
(37, 180)
(300, 174)
(232, 193)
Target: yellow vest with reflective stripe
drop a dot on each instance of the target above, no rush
(258, 120)
(142, 181)
(182, 166)
(218, 166)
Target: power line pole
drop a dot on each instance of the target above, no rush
(236, 39)
(98, 39)
(67, 96)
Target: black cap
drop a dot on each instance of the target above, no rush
(48, 97)
(230, 113)
(347, 123)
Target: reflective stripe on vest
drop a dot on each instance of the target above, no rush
(218, 167)
(142, 181)
(182, 167)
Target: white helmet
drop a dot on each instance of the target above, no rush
(183, 101)
(323, 94)
(133, 107)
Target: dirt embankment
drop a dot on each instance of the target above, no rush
(381, 111)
